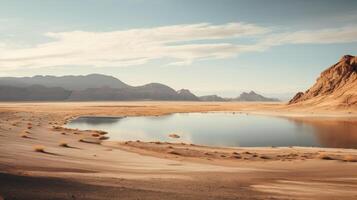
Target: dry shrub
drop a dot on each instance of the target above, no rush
(95, 135)
(63, 133)
(39, 148)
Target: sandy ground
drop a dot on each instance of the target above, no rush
(40, 159)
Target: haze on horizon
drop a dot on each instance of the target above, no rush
(210, 47)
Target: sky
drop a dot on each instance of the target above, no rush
(224, 47)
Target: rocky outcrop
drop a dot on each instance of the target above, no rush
(336, 85)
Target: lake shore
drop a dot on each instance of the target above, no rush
(39, 152)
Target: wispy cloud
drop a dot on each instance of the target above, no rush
(182, 44)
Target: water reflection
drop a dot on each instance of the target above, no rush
(226, 129)
(334, 133)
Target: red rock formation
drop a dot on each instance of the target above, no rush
(336, 85)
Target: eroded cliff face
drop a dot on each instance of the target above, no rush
(337, 84)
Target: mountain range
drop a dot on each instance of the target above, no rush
(98, 87)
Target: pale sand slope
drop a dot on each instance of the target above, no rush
(137, 170)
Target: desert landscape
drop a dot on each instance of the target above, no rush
(178, 100)
(41, 159)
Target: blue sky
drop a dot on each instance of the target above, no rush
(223, 47)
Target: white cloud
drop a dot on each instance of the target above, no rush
(182, 44)
(324, 36)
(130, 47)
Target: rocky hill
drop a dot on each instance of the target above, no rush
(93, 87)
(187, 95)
(252, 96)
(66, 82)
(336, 86)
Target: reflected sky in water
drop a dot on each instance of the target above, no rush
(224, 129)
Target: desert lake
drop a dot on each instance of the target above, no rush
(225, 129)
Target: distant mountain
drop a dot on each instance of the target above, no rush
(152, 91)
(97, 87)
(336, 86)
(33, 93)
(66, 82)
(212, 98)
(252, 96)
(186, 95)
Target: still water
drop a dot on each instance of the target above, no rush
(225, 129)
